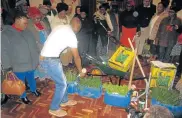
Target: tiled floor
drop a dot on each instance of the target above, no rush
(86, 107)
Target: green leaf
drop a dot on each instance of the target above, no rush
(121, 90)
(165, 96)
(93, 82)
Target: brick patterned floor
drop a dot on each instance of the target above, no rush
(86, 107)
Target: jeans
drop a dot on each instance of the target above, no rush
(164, 53)
(54, 69)
(29, 76)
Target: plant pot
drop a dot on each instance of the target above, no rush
(117, 100)
(90, 92)
(72, 87)
(176, 110)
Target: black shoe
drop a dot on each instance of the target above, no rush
(36, 93)
(26, 100)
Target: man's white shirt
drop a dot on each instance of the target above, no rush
(59, 39)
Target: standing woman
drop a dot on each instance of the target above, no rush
(40, 31)
(129, 25)
(102, 22)
(62, 19)
(154, 26)
(77, 11)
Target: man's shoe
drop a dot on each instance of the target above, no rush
(58, 113)
(36, 93)
(69, 103)
(26, 100)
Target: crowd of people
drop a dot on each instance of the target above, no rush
(37, 41)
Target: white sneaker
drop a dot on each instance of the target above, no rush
(69, 103)
(58, 113)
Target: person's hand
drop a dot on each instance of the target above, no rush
(82, 75)
(156, 41)
(176, 27)
(109, 33)
(133, 87)
(120, 35)
(41, 58)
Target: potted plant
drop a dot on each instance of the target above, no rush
(167, 98)
(117, 95)
(90, 87)
(71, 78)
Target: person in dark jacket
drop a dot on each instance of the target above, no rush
(167, 36)
(129, 25)
(103, 27)
(84, 34)
(145, 13)
(20, 52)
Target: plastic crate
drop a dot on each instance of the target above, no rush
(72, 87)
(176, 110)
(117, 100)
(89, 92)
(163, 70)
(122, 66)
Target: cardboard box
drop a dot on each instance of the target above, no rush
(122, 59)
(162, 74)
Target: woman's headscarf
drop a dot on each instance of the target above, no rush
(34, 12)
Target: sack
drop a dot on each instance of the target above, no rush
(12, 85)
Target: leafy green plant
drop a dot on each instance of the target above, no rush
(165, 96)
(111, 89)
(70, 76)
(93, 82)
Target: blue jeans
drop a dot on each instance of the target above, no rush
(164, 53)
(54, 69)
(29, 76)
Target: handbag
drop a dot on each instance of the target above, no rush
(176, 50)
(12, 85)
